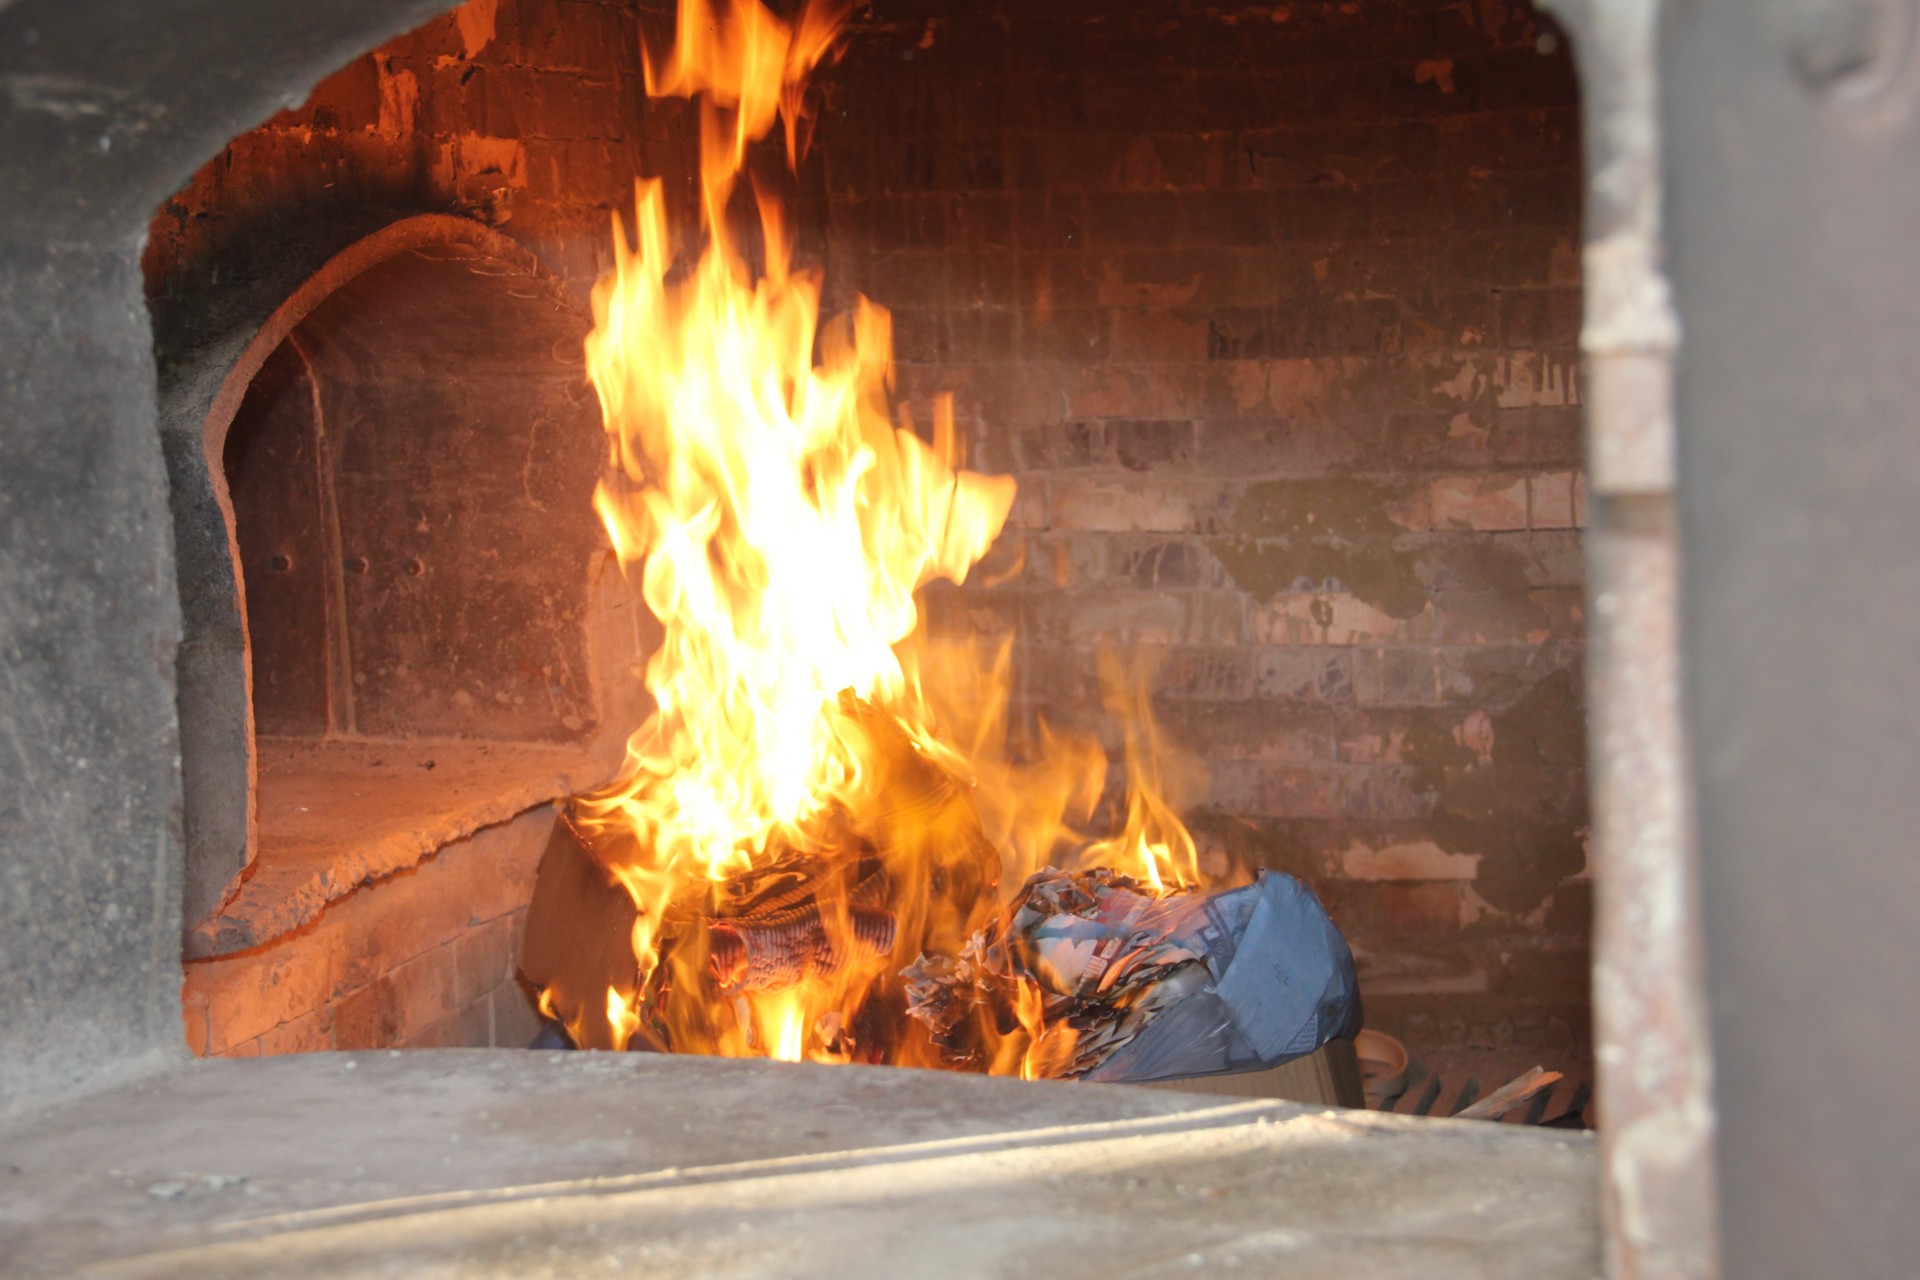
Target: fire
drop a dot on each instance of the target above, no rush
(787, 1021)
(820, 793)
(1046, 1046)
(1154, 839)
(621, 1017)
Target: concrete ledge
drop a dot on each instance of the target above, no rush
(339, 814)
(476, 1163)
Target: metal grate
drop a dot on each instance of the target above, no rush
(1446, 1082)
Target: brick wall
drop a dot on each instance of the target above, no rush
(529, 115)
(1273, 310)
(421, 960)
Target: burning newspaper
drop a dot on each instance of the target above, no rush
(1138, 987)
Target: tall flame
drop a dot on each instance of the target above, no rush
(1154, 840)
(787, 1031)
(779, 523)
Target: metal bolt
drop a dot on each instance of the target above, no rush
(357, 564)
(415, 567)
(280, 562)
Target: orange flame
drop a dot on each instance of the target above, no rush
(786, 1036)
(779, 524)
(1154, 840)
(1047, 1047)
(621, 1018)
(747, 62)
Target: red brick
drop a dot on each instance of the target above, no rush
(1276, 790)
(1540, 317)
(482, 958)
(197, 1029)
(1132, 219)
(349, 99)
(1507, 618)
(907, 279)
(1122, 506)
(1413, 860)
(1527, 139)
(1206, 276)
(517, 938)
(501, 866)
(1218, 616)
(1303, 791)
(1566, 610)
(1251, 731)
(1570, 909)
(1387, 793)
(1304, 675)
(1490, 503)
(595, 167)
(1560, 974)
(1493, 618)
(1174, 161)
(562, 35)
(515, 1021)
(1152, 445)
(1067, 561)
(470, 1027)
(1068, 333)
(249, 994)
(1303, 618)
(1059, 673)
(1207, 673)
(1158, 334)
(1078, 443)
(1396, 678)
(1032, 505)
(1159, 618)
(312, 1033)
(1146, 561)
(388, 923)
(1152, 390)
(367, 1018)
(965, 615)
(1550, 500)
(1526, 379)
(1420, 908)
(424, 990)
(1219, 216)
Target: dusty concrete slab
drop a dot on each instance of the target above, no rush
(512, 1164)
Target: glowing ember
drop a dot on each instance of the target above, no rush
(821, 794)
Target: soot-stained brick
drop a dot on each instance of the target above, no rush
(1509, 784)
(1322, 529)
(1150, 445)
(1168, 563)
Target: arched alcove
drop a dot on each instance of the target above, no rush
(409, 472)
(402, 458)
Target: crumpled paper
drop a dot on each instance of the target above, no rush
(1136, 987)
